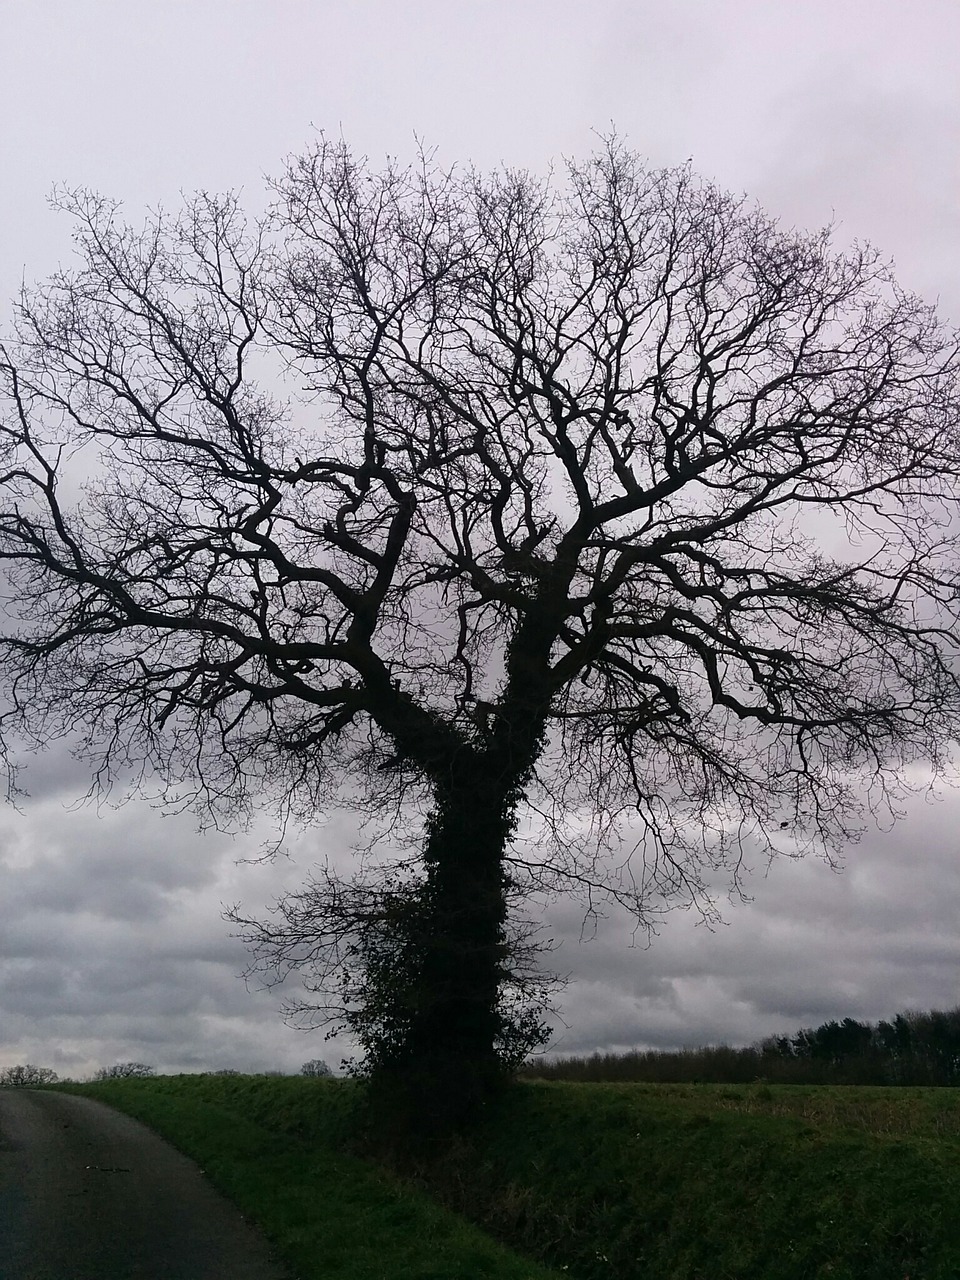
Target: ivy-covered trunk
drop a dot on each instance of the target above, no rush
(449, 1063)
(446, 1058)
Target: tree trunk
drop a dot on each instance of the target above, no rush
(449, 1065)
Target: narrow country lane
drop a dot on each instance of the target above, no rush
(87, 1193)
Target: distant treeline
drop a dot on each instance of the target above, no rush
(913, 1048)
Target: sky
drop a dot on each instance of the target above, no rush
(112, 941)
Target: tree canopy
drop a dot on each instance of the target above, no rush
(602, 501)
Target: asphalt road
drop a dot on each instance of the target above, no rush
(87, 1193)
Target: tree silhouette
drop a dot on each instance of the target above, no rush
(26, 1076)
(315, 1067)
(124, 1071)
(604, 503)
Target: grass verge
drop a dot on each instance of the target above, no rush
(328, 1215)
(600, 1181)
(701, 1183)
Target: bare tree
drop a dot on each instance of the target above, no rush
(124, 1071)
(315, 1067)
(26, 1076)
(604, 503)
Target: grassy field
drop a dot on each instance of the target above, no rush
(271, 1146)
(653, 1182)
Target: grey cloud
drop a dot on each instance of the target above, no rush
(812, 945)
(135, 884)
(52, 772)
(113, 945)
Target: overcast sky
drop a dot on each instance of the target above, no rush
(112, 945)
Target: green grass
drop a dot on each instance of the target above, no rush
(706, 1183)
(632, 1182)
(329, 1216)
